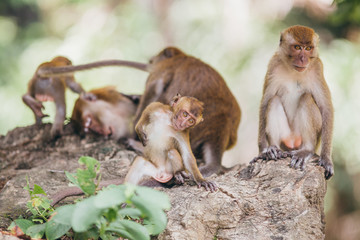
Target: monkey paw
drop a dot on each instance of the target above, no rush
(56, 131)
(299, 158)
(179, 179)
(329, 169)
(209, 186)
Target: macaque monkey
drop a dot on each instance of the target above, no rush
(105, 112)
(172, 71)
(41, 89)
(164, 132)
(296, 109)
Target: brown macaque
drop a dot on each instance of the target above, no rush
(296, 109)
(164, 132)
(41, 89)
(172, 71)
(106, 112)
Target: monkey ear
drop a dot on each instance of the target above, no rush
(175, 99)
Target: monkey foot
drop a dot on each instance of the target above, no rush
(299, 159)
(271, 153)
(209, 186)
(179, 177)
(327, 165)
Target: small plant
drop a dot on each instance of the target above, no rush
(126, 211)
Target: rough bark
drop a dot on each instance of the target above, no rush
(262, 201)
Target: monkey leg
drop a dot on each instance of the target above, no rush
(277, 129)
(307, 124)
(142, 168)
(35, 106)
(174, 157)
(57, 127)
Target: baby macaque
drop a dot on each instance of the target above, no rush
(164, 132)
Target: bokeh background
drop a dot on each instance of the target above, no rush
(235, 37)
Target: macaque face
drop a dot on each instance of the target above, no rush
(298, 46)
(183, 120)
(91, 123)
(301, 55)
(187, 112)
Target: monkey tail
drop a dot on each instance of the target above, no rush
(50, 71)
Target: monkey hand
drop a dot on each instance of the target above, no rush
(56, 131)
(38, 107)
(326, 163)
(209, 186)
(180, 176)
(88, 96)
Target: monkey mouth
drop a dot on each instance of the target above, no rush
(299, 69)
(176, 125)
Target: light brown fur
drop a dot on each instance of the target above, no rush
(51, 89)
(296, 109)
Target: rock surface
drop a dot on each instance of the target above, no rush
(262, 201)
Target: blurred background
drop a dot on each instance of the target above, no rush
(236, 37)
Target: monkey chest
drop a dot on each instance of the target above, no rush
(290, 94)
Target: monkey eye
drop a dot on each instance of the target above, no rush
(185, 114)
(191, 121)
(308, 48)
(297, 47)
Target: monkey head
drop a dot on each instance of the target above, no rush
(187, 112)
(166, 53)
(298, 47)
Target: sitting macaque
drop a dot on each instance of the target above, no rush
(106, 112)
(164, 132)
(52, 88)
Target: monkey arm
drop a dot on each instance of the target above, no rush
(191, 166)
(74, 86)
(262, 142)
(327, 115)
(35, 106)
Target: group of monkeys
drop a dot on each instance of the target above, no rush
(187, 111)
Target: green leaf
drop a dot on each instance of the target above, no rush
(23, 224)
(89, 162)
(63, 214)
(153, 197)
(129, 229)
(131, 212)
(90, 234)
(86, 181)
(110, 197)
(72, 179)
(156, 216)
(36, 231)
(55, 230)
(38, 190)
(85, 214)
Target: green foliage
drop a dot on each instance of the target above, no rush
(84, 178)
(39, 204)
(126, 211)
